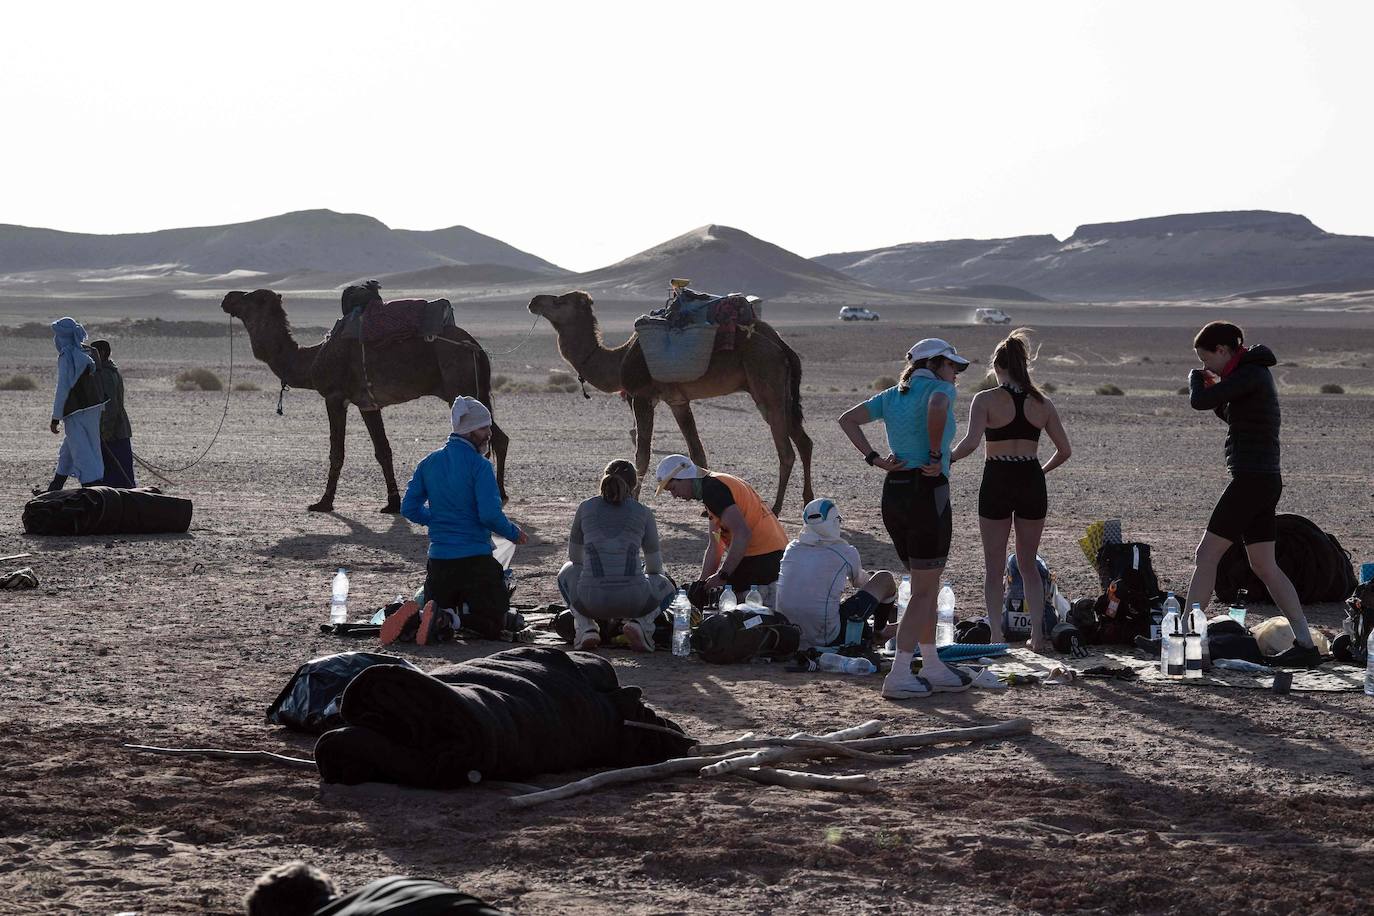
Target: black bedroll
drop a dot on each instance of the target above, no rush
(737, 636)
(1314, 560)
(106, 510)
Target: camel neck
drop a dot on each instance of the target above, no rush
(585, 352)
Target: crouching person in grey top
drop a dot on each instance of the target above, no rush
(614, 570)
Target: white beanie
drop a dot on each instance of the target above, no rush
(469, 414)
(675, 467)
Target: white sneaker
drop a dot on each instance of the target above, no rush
(635, 635)
(588, 636)
(903, 685)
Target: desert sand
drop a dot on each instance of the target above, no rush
(1128, 797)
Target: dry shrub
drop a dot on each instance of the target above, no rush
(246, 386)
(18, 383)
(1108, 388)
(986, 383)
(558, 377)
(883, 382)
(1183, 390)
(499, 381)
(1332, 388)
(198, 380)
(1049, 388)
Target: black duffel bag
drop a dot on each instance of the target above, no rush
(737, 636)
(106, 510)
(1314, 561)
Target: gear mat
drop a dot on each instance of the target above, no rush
(1331, 677)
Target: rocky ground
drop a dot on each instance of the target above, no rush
(1127, 798)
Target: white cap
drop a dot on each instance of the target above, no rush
(675, 467)
(934, 346)
(469, 414)
(822, 516)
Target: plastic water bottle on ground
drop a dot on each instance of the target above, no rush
(754, 599)
(682, 624)
(727, 601)
(1197, 622)
(1369, 665)
(842, 664)
(1237, 609)
(1176, 659)
(338, 599)
(1168, 625)
(903, 599)
(1192, 653)
(944, 622)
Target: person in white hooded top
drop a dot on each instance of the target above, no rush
(817, 567)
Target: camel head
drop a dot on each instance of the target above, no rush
(258, 303)
(568, 309)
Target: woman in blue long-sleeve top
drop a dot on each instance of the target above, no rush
(453, 492)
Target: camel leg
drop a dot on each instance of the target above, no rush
(803, 443)
(687, 422)
(500, 442)
(337, 409)
(643, 408)
(382, 449)
(777, 424)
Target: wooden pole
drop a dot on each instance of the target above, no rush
(221, 753)
(794, 779)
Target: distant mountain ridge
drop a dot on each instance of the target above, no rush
(304, 241)
(1183, 256)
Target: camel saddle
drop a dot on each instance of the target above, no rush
(399, 319)
(678, 339)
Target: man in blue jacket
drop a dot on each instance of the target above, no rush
(453, 492)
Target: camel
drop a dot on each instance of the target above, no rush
(396, 373)
(762, 364)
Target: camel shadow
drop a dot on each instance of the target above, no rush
(398, 538)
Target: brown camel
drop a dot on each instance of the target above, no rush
(396, 373)
(762, 364)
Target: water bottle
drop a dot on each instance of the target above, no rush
(944, 622)
(1369, 665)
(903, 599)
(1237, 609)
(1177, 661)
(753, 600)
(1192, 653)
(682, 624)
(1197, 622)
(1167, 626)
(841, 664)
(727, 600)
(338, 600)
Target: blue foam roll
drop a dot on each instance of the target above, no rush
(955, 652)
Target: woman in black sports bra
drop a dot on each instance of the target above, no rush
(1011, 418)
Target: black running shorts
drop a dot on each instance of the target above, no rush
(918, 517)
(1013, 488)
(1245, 512)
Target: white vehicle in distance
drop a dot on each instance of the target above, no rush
(990, 316)
(857, 313)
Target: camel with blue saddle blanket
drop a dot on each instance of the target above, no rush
(389, 358)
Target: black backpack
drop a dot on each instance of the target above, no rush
(737, 636)
(1130, 592)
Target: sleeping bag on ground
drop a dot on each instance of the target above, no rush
(1314, 561)
(511, 715)
(106, 510)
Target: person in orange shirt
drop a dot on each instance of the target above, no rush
(747, 540)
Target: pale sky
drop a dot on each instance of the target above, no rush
(584, 132)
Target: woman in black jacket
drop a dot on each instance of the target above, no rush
(1236, 384)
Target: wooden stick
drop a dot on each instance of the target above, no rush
(215, 752)
(862, 730)
(673, 767)
(895, 742)
(794, 779)
(616, 777)
(15, 556)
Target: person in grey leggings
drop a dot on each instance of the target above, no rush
(614, 569)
